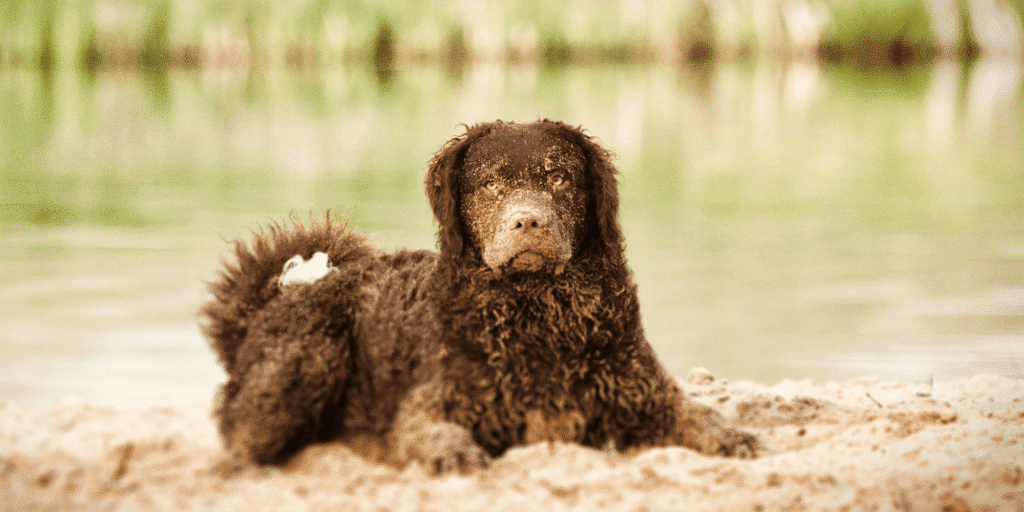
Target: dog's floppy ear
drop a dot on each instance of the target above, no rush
(442, 184)
(601, 175)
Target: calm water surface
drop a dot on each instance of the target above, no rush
(782, 220)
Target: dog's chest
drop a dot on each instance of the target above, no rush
(524, 384)
(535, 364)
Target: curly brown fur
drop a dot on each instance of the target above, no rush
(525, 328)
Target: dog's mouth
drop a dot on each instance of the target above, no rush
(528, 261)
(542, 252)
(533, 262)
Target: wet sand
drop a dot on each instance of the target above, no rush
(862, 444)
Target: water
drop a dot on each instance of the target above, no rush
(782, 220)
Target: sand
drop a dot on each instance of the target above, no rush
(863, 444)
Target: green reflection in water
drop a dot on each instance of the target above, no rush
(783, 221)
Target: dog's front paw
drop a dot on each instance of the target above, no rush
(448, 448)
(704, 429)
(739, 444)
(421, 433)
(441, 448)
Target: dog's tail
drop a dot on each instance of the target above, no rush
(246, 285)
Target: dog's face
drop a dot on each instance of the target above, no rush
(524, 198)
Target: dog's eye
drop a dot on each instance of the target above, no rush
(557, 180)
(491, 185)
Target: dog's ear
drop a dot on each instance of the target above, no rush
(442, 183)
(601, 176)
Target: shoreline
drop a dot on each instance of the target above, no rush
(853, 445)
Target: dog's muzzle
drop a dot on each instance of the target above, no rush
(529, 237)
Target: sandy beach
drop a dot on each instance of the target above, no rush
(862, 444)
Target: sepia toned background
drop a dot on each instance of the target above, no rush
(815, 190)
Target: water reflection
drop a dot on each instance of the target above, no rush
(783, 220)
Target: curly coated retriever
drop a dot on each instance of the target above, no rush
(524, 328)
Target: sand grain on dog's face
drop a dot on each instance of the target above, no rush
(524, 200)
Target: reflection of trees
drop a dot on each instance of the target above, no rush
(746, 187)
(991, 88)
(990, 109)
(992, 91)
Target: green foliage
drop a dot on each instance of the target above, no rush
(300, 32)
(881, 31)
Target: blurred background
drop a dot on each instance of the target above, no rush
(810, 189)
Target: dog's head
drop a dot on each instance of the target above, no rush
(524, 198)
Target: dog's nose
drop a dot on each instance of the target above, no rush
(525, 221)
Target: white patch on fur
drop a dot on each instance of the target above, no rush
(298, 270)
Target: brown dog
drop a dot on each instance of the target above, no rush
(524, 328)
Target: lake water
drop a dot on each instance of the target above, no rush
(783, 220)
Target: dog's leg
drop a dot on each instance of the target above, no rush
(703, 429)
(558, 427)
(672, 419)
(279, 404)
(297, 360)
(420, 433)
